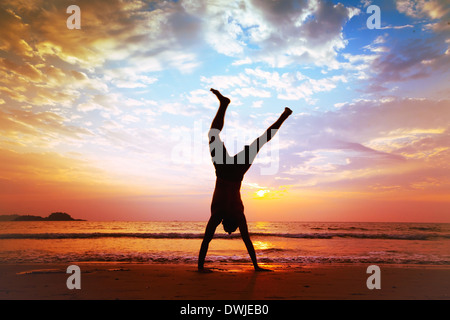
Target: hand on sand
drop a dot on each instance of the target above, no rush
(204, 270)
(259, 269)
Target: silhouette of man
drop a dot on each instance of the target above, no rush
(226, 206)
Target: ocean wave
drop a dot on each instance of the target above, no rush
(192, 259)
(95, 235)
(434, 229)
(175, 235)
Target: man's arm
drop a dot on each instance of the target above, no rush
(209, 234)
(248, 243)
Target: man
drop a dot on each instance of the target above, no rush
(227, 206)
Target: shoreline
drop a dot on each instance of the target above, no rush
(143, 281)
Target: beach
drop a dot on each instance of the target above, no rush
(158, 260)
(141, 281)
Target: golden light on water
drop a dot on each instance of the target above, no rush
(262, 245)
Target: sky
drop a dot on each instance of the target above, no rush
(110, 121)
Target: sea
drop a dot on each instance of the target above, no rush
(276, 243)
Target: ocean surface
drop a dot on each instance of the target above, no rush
(281, 243)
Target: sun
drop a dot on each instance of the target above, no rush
(261, 193)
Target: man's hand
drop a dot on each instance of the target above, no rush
(259, 269)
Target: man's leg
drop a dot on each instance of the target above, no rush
(220, 115)
(256, 145)
(217, 148)
(277, 124)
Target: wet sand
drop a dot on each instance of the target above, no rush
(111, 281)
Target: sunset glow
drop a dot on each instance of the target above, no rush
(110, 121)
(261, 193)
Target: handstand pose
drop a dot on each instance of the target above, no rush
(226, 206)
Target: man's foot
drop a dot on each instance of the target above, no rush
(287, 111)
(219, 96)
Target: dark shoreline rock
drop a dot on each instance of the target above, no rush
(55, 216)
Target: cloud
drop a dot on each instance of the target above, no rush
(435, 9)
(419, 55)
(41, 52)
(309, 32)
(407, 60)
(278, 33)
(120, 43)
(285, 86)
(252, 92)
(40, 129)
(396, 142)
(397, 27)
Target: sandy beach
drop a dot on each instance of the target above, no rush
(124, 281)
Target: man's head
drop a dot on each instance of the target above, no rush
(229, 225)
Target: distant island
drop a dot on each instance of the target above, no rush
(55, 216)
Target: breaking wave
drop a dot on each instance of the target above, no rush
(175, 235)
